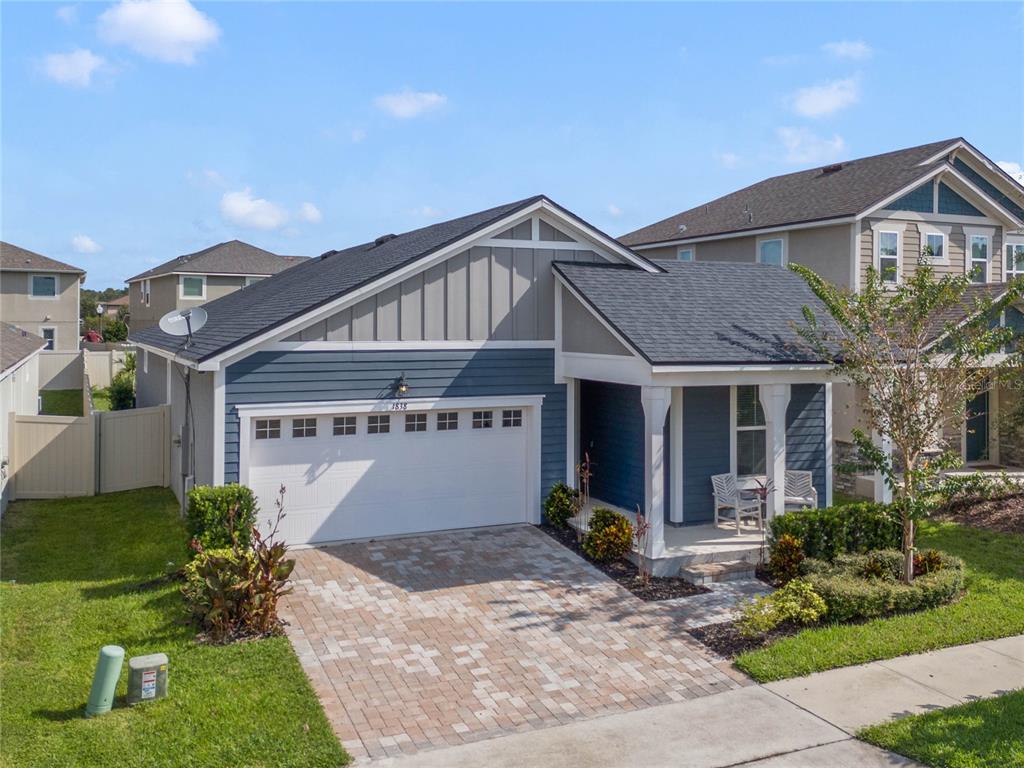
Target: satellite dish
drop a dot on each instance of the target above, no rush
(183, 322)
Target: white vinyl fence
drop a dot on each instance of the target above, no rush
(61, 369)
(103, 365)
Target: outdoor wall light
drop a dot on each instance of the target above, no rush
(401, 386)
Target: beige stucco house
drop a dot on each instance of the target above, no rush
(19, 388)
(944, 201)
(40, 295)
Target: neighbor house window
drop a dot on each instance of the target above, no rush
(1014, 260)
(378, 425)
(483, 419)
(934, 247)
(193, 286)
(415, 422)
(304, 427)
(771, 252)
(344, 425)
(684, 254)
(447, 421)
(268, 429)
(751, 432)
(979, 259)
(43, 286)
(512, 417)
(889, 257)
(144, 288)
(50, 335)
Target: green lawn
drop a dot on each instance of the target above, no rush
(100, 399)
(979, 734)
(993, 607)
(79, 573)
(62, 402)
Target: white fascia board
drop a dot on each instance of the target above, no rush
(707, 376)
(902, 191)
(378, 346)
(21, 363)
(1008, 181)
(168, 355)
(943, 152)
(747, 233)
(390, 405)
(612, 245)
(616, 369)
(607, 326)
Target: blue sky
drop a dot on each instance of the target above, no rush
(133, 132)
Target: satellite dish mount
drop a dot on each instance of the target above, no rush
(183, 322)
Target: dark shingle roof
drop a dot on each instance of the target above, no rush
(231, 258)
(805, 196)
(13, 257)
(247, 313)
(16, 345)
(702, 312)
(971, 304)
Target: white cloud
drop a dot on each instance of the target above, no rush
(614, 210)
(243, 209)
(823, 100)
(1014, 169)
(68, 13)
(727, 159)
(85, 244)
(166, 30)
(804, 146)
(427, 212)
(848, 49)
(407, 104)
(357, 135)
(74, 68)
(309, 212)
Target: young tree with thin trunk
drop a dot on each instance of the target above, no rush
(919, 350)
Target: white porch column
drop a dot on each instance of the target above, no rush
(883, 493)
(829, 447)
(655, 401)
(572, 433)
(775, 401)
(676, 455)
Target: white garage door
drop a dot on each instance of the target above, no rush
(361, 475)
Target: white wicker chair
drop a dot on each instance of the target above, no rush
(729, 497)
(800, 490)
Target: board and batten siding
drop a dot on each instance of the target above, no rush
(484, 293)
(706, 445)
(805, 433)
(612, 436)
(290, 377)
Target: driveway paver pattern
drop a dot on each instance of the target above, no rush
(449, 638)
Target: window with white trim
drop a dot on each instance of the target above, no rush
(684, 254)
(378, 424)
(192, 286)
(144, 291)
(304, 427)
(50, 336)
(415, 422)
(448, 421)
(483, 419)
(979, 263)
(43, 286)
(889, 256)
(771, 252)
(344, 425)
(268, 429)
(934, 250)
(512, 417)
(1014, 260)
(751, 432)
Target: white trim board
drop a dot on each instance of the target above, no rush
(377, 346)
(829, 222)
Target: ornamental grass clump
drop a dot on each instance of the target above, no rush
(609, 537)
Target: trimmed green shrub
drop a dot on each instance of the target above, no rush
(610, 536)
(122, 391)
(827, 533)
(868, 586)
(560, 505)
(796, 602)
(786, 556)
(215, 513)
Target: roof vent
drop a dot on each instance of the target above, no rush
(832, 168)
(325, 254)
(383, 239)
(681, 227)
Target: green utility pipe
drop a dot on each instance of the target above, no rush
(104, 681)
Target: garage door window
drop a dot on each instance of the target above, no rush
(304, 427)
(344, 425)
(483, 419)
(512, 418)
(378, 425)
(447, 421)
(268, 429)
(415, 422)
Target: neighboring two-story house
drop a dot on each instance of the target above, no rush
(40, 295)
(945, 200)
(195, 278)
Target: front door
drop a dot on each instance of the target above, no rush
(977, 429)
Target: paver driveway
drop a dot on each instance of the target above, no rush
(440, 639)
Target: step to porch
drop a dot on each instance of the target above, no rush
(708, 573)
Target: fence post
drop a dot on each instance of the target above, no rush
(97, 463)
(12, 455)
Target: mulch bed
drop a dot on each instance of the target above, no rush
(725, 638)
(1002, 515)
(626, 574)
